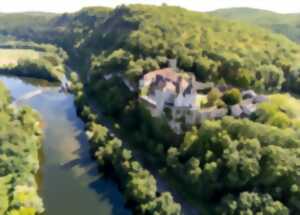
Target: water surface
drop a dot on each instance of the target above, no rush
(69, 181)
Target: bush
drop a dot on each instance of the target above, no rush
(213, 96)
(139, 185)
(232, 97)
(249, 203)
(19, 147)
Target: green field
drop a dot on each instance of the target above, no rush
(12, 56)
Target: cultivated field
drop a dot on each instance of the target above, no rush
(11, 56)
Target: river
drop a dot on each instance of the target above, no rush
(69, 181)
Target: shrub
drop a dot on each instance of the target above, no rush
(232, 97)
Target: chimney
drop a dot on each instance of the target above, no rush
(178, 85)
(173, 63)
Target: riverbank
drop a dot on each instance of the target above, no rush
(68, 179)
(31, 70)
(189, 205)
(27, 59)
(21, 137)
(40, 68)
(137, 184)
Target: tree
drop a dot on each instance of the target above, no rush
(134, 71)
(74, 78)
(272, 77)
(230, 67)
(293, 79)
(193, 170)
(243, 78)
(205, 68)
(21, 136)
(97, 134)
(141, 187)
(172, 157)
(252, 203)
(148, 64)
(213, 96)
(280, 111)
(280, 120)
(232, 97)
(117, 61)
(163, 205)
(186, 62)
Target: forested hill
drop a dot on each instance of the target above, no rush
(137, 38)
(286, 24)
(23, 23)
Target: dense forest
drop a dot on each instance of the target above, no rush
(23, 23)
(139, 38)
(137, 183)
(286, 24)
(228, 166)
(20, 138)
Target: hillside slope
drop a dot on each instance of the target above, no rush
(286, 24)
(144, 37)
(23, 23)
(139, 38)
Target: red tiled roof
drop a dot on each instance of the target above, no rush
(167, 73)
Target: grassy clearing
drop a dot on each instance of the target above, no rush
(12, 56)
(287, 103)
(281, 111)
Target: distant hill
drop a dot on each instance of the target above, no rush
(23, 23)
(23, 20)
(212, 48)
(65, 30)
(140, 38)
(286, 24)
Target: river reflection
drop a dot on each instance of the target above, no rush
(69, 181)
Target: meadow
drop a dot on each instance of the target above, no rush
(12, 56)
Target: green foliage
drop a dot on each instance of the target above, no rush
(113, 95)
(162, 205)
(205, 68)
(202, 44)
(4, 194)
(114, 62)
(250, 203)
(33, 60)
(15, 21)
(35, 69)
(294, 79)
(270, 114)
(281, 110)
(141, 187)
(237, 158)
(223, 159)
(119, 39)
(97, 134)
(138, 184)
(20, 136)
(74, 77)
(213, 96)
(232, 96)
(286, 24)
(271, 77)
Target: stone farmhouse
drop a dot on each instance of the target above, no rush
(180, 97)
(166, 87)
(176, 94)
